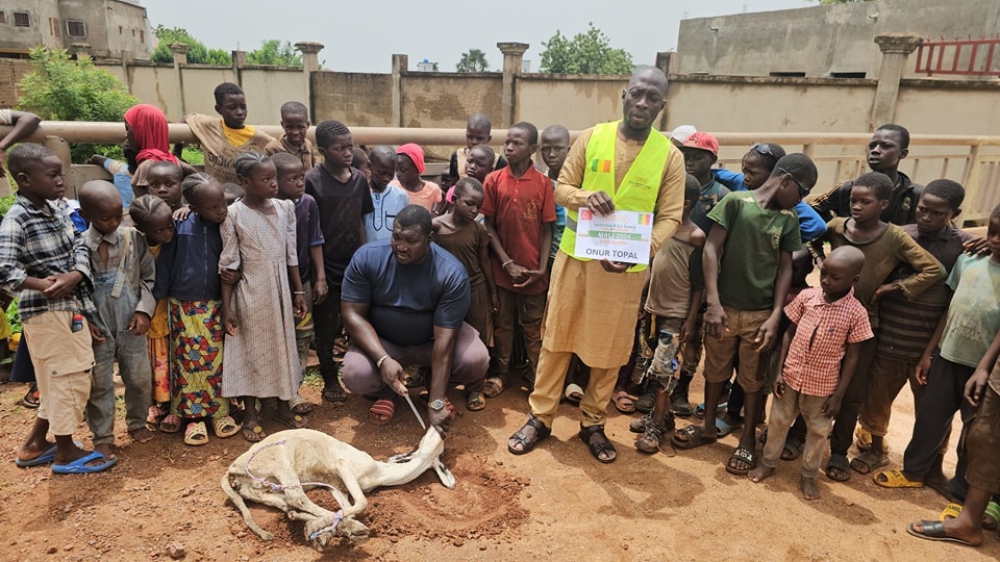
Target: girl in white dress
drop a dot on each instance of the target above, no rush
(258, 239)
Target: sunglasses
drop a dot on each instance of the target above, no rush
(803, 191)
(764, 150)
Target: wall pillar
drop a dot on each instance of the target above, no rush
(896, 48)
(239, 61)
(310, 63)
(400, 64)
(513, 56)
(180, 51)
(667, 63)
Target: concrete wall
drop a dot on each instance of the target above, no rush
(267, 89)
(39, 32)
(748, 104)
(446, 100)
(357, 99)
(576, 102)
(11, 71)
(822, 40)
(950, 108)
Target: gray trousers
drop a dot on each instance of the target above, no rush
(131, 353)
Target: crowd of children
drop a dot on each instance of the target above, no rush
(246, 262)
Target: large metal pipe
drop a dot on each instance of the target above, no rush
(112, 133)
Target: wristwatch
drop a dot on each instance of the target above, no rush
(437, 405)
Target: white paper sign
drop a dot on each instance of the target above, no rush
(622, 236)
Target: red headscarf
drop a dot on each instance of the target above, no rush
(416, 155)
(149, 129)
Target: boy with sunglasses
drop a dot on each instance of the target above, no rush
(748, 271)
(757, 165)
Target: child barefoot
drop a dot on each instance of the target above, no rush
(819, 361)
(459, 233)
(261, 354)
(187, 273)
(152, 217)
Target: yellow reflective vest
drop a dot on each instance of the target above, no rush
(639, 187)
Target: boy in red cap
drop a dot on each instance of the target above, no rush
(409, 167)
(701, 151)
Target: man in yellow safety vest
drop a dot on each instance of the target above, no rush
(626, 166)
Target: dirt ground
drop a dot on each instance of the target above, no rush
(556, 503)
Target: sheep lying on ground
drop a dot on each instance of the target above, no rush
(280, 469)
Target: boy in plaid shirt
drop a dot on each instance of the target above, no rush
(40, 256)
(819, 353)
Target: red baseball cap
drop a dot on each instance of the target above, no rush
(703, 141)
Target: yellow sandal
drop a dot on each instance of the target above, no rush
(895, 479)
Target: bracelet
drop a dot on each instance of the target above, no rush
(506, 263)
(378, 364)
(298, 292)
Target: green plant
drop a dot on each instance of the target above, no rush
(193, 155)
(5, 204)
(59, 88)
(13, 317)
(586, 53)
(197, 53)
(472, 61)
(276, 53)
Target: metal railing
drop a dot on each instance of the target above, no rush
(973, 161)
(972, 57)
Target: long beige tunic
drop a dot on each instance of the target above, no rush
(591, 312)
(263, 360)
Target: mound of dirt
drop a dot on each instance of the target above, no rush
(484, 503)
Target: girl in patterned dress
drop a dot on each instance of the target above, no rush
(187, 274)
(259, 310)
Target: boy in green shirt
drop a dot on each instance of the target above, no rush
(748, 270)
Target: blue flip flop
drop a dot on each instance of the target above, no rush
(79, 466)
(49, 456)
(45, 458)
(722, 428)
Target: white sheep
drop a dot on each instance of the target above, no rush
(279, 470)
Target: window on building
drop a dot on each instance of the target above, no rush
(121, 30)
(54, 27)
(3, 17)
(142, 36)
(133, 33)
(789, 74)
(22, 19)
(76, 28)
(848, 74)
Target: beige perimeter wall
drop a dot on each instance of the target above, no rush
(577, 102)
(357, 99)
(446, 100)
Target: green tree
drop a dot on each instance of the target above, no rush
(473, 60)
(61, 89)
(197, 53)
(276, 53)
(587, 53)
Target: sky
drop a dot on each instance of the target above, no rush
(361, 36)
